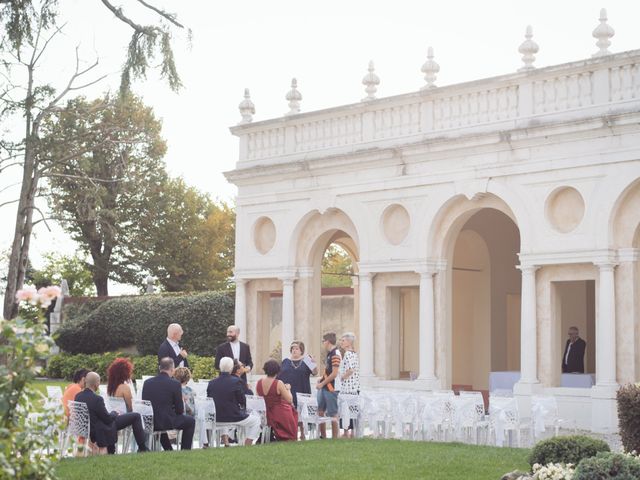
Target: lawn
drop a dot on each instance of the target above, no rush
(41, 385)
(349, 459)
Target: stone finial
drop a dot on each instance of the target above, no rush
(371, 81)
(151, 288)
(64, 288)
(293, 97)
(247, 108)
(430, 70)
(528, 49)
(603, 33)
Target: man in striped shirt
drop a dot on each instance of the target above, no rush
(329, 385)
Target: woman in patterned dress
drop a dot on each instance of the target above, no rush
(349, 372)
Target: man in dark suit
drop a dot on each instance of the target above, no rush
(573, 357)
(228, 394)
(165, 394)
(171, 348)
(104, 426)
(234, 349)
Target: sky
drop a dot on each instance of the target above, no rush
(326, 45)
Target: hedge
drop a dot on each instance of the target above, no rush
(608, 465)
(64, 365)
(566, 449)
(629, 416)
(142, 321)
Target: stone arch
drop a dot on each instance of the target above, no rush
(624, 220)
(452, 216)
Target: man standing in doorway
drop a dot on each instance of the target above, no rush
(234, 349)
(573, 358)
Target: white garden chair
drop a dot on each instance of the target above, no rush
(79, 426)
(205, 419)
(544, 414)
(504, 420)
(308, 406)
(54, 392)
(349, 409)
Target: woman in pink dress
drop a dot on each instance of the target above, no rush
(281, 416)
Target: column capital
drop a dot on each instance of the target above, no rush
(287, 280)
(366, 276)
(605, 265)
(305, 272)
(528, 269)
(239, 281)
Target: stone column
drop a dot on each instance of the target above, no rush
(366, 325)
(241, 306)
(426, 329)
(287, 314)
(606, 327)
(528, 327)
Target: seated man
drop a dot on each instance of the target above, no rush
(104, 426)
(228, 394)
(165, 394)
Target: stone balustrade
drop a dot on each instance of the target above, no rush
(597, 86)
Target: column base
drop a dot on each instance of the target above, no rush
(428, 383)
(604, 408)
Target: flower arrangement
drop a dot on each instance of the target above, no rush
(26, 441)
(553, 471)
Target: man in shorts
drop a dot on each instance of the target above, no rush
(329, 385)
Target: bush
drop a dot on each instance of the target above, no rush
(64, 365)
(568, 449)
(629, 416)
(142, 321)
(608, 465)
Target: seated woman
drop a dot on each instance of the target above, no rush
(281, 416)
(183, 375)
(238, 370)
(119, 381)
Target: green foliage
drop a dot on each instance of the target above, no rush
(608, 465)
(105, 195)
(20, 20)
(71, 268)
(629, 416)
(64, 365)
(190, 244)
(142, 321)
(24, 443)
(566, 449)
(337, 267)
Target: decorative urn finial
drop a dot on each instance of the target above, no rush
(430, 70)
(603, 33)
(371, 81)
(293, 97)
(528, 49)
(247, 109)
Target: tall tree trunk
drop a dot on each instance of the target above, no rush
(100, 271)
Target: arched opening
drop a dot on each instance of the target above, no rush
(485, 299)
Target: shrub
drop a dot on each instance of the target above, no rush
(568, 449)
(629, 416)
(64, 365)
(608, 465)
(142, 321)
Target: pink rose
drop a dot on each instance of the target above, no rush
(27, 294)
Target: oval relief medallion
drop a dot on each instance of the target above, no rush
(564, 209)
(395, 223)
(264, 234)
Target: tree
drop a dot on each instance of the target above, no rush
(191, 247)
(57, 267)
(28, 25)
(337, 267)
(107, 197)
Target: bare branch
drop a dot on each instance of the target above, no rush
(118, 13)
(9, 202)
(10, 186)
(169, 16)
(46, 43)
(42, 218)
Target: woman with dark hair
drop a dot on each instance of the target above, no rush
(296, 372)
(119, 380)
(281, 416)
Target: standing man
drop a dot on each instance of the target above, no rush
(329, 385)
(171, 348)
(573, 358)
(234, 349)
(104, 425)
(165, 394)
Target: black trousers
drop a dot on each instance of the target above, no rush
(134, 420)
(185, 423)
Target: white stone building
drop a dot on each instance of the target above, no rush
(483, 218)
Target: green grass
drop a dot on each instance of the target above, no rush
(41, 385)
(348, 459)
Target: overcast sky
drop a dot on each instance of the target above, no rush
(326, 46)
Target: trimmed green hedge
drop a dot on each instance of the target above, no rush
(566, 449)
(608, 465)
(142, 321)
(629, 416)
(64, 365)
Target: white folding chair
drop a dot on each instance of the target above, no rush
(308, 405)
(406, 416)
(349, 411)
(54, 392)
(205, 419)
(544, 414)
(255, 403)
(200, 389)
(504, 420)
(103, 391)
(79, 426)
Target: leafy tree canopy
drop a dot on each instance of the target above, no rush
(337, 267)
(71, 268)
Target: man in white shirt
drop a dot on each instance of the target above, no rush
(235, 349)
(171, 347)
